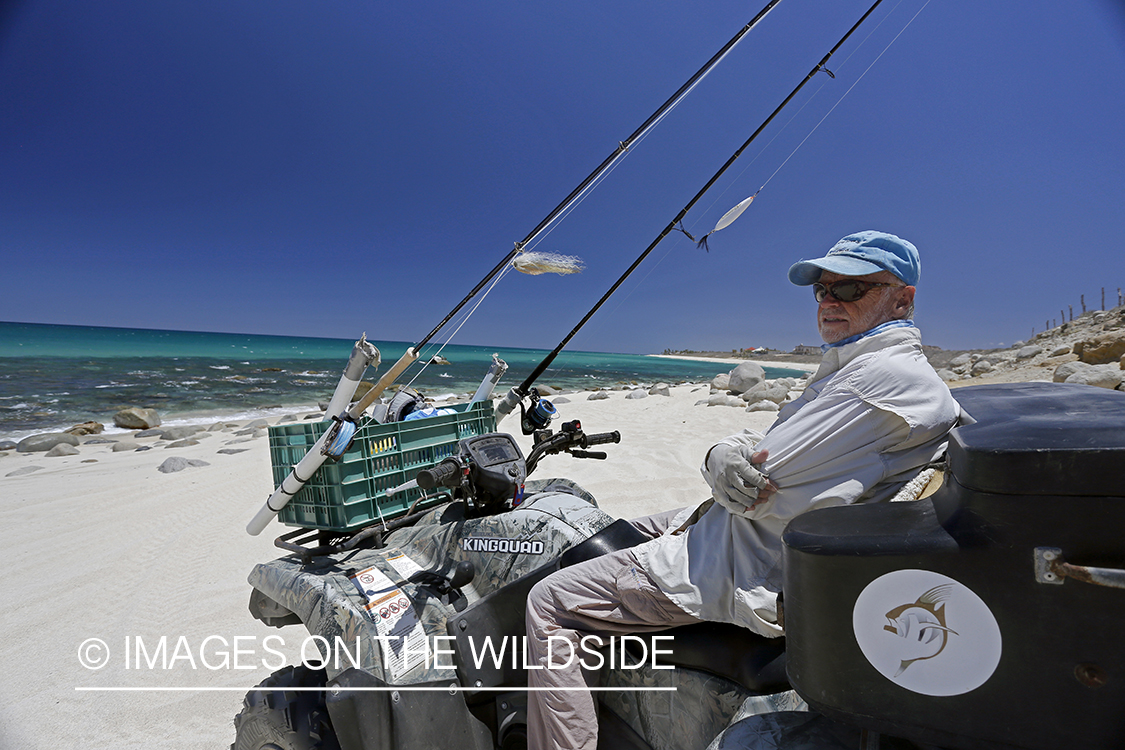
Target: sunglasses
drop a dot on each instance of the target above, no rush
(846, 291)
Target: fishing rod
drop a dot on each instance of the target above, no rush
(622, 147)
(334, 442)
(518, 393)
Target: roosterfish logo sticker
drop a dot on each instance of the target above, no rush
(927, 632)
(921, 625)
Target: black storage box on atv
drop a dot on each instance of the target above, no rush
(972, 618)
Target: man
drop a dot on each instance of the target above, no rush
(873, 414)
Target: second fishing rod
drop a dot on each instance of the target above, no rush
(411, 354)
(535, 418)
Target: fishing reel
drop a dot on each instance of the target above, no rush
(538, 415)
(341, 434)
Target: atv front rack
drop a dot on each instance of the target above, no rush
(310, 543)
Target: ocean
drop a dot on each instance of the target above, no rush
(55, 376)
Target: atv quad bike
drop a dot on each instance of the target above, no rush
(967, 619)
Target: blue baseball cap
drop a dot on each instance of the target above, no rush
(860, 254)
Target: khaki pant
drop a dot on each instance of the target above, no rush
(609, 595)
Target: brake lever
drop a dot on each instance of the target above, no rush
(589, 454)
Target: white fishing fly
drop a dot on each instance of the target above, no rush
(536, 263)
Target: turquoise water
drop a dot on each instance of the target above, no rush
(54, 376)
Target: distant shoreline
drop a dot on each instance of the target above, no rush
(701, 357)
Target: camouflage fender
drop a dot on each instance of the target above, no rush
(557, 515)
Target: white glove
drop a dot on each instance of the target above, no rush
(735, 481)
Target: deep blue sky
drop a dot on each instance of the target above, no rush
(326, 168)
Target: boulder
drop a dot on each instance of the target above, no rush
(724, 399)
(763, 405)
(63, 449)
(179, 433)
(660, 389)
(1066, 369)
(1100, 350)
(231, 451)
(182, 444)
(152, 432)
(981, 367)
(1058, 351)
(86, 428)
(639, 393)
(7, 445)
(767, 391)
(948, 375)
(135, 418)
(721, 382)
(178, 463)
(44, 442)
(1028, 352)
(257, 423)
(1102, 376)
(961, 360)
(125, 445)
(100, 441)
(745, 376)
(598, 396)
(546, 390)
(561, 400)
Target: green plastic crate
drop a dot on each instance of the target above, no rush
(348, 494)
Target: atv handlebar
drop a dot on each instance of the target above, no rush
(603, 437)
(445, 474)
(567, 439)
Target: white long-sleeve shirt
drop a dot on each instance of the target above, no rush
(875, 412)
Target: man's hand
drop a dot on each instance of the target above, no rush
(735, 478)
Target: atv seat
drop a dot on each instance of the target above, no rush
(728, 651)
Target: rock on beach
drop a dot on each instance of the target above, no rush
(179, 463)
(179, 433)
(136, 418)
(62, 449)
(769, 390)
(86, 428)
(44, 442)
(745, 376)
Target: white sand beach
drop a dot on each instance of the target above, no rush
(102, 545)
